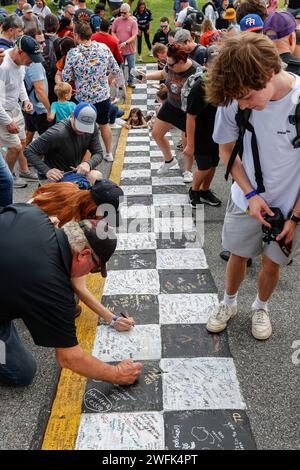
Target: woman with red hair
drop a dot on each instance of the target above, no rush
(66, 202)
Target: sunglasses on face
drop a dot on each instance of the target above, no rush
(163, 26)
(171, 65)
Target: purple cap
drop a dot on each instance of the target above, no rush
(279, 24)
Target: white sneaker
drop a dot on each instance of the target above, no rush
(150, 54)
(166, 166)
(120, 122)
(217, 322)
(187, 176)
(108, 157)
(261, 324)
(140, 59)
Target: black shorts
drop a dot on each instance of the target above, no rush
(205, 162)
(36, 123)
(175, 116)
(103, 109)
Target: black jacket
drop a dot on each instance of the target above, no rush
(63, 148)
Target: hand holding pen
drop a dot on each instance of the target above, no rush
(122, 323)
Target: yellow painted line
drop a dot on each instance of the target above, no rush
(62, 427)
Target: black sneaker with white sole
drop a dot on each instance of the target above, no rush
(194, 198)
(208, 197)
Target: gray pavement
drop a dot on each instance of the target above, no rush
(24, 412)
(268, 378)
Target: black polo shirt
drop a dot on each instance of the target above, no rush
(161, 37)
(35, 276)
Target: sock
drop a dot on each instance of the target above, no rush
(259, 304)
(229, 299)
(169, 161)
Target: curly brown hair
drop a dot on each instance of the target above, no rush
(251, 6)
(244, 63)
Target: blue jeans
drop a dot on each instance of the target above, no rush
(17, 365)
(130, 58)
(115, 113)
(6, 184)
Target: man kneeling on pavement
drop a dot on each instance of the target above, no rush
(38, 262)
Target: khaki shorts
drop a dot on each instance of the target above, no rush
(12, 140)
(243, 236)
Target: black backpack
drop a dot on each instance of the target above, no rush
(193, 19)
(206, 5)
(242, 119)
(50, 59)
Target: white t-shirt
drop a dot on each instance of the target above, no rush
(12, 87)
(280, 162)
(182, 15)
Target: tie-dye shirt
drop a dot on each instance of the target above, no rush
(89, 65)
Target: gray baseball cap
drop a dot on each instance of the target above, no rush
(85, 115)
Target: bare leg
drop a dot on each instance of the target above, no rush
(268, 278)
(208, 179)
(235, 273)
(160, 128)
(106, 136)
(198, 178)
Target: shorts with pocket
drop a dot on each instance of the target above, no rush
(12, 140)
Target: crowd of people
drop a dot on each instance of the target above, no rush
(228, 79)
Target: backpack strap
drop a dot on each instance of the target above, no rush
(295, 120)
(242, 119)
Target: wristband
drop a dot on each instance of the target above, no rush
(112, 323)
(251, 194)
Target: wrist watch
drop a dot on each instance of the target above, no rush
(294, 218)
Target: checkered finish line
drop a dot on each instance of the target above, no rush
(188, 395)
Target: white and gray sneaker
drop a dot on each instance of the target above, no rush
(166, 166)
(187, 176)
(261, 324)
(18, 183)
(217, 322)
(28, 175)
(108, 157)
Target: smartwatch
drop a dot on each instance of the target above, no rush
(295, 219)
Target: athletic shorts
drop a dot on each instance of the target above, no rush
(175, 116)
(12, 140)
(242, 235)
(36, 122)
(205, 162)
(103, 109)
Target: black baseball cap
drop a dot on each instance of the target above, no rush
(102, 239)
(107, 192)
(31, 47)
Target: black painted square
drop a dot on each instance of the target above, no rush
(133, 260)
(144, 395)
(144, 308)
(178, 240)
(135, 181)
(144, 200)
(208, 430)
(186, 281)
(169, 189)
(137, 166)
(192, 341)
(171, 172)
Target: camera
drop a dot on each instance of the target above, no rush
(277, 223)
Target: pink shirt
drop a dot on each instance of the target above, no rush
(124, 29)
(272, 6)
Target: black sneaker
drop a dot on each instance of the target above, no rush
(208, 197)
(194, 198)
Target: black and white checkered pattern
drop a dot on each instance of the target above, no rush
(188, 396)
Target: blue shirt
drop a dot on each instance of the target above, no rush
(62, 110)
(176, 5)
(35, 72)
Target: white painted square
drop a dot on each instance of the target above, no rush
(158, 153)
(138, 131)
(154, 144)
(145, 139)
(151, 102)
(141, 86)
(200, 383)
(181, 258)
(121, 431)
(152, 91)
(136, 190)
(137, 159)
(173, 199)
(144, 173)
(171, 224)
(133, 281)
(136, 211)
(142, 342)
(157, 165)
(167, 180)
(136, 241)
(186, 308)
(139, 96)
(137, 148)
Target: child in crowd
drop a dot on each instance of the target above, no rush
(161, 96)
(62, 108)
(136, 120)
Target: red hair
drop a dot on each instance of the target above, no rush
(177, 53)
(65, 201)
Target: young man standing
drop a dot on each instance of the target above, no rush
(272, 95)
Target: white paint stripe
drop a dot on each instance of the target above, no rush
(136, 241)
(141, 86)
(180, 225)
(145, 173)
(137, 212)
(121, 431)
(137, 190)
(144, 139)
(139, 96)
(186, 308)
(158, 153)
(164, 181)
(143, 342)
(154, 144)
(137, 160)
(138, 131)
(137, 148)
(173, 199)
(181, 258)
(140, 281)
(200, 383)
